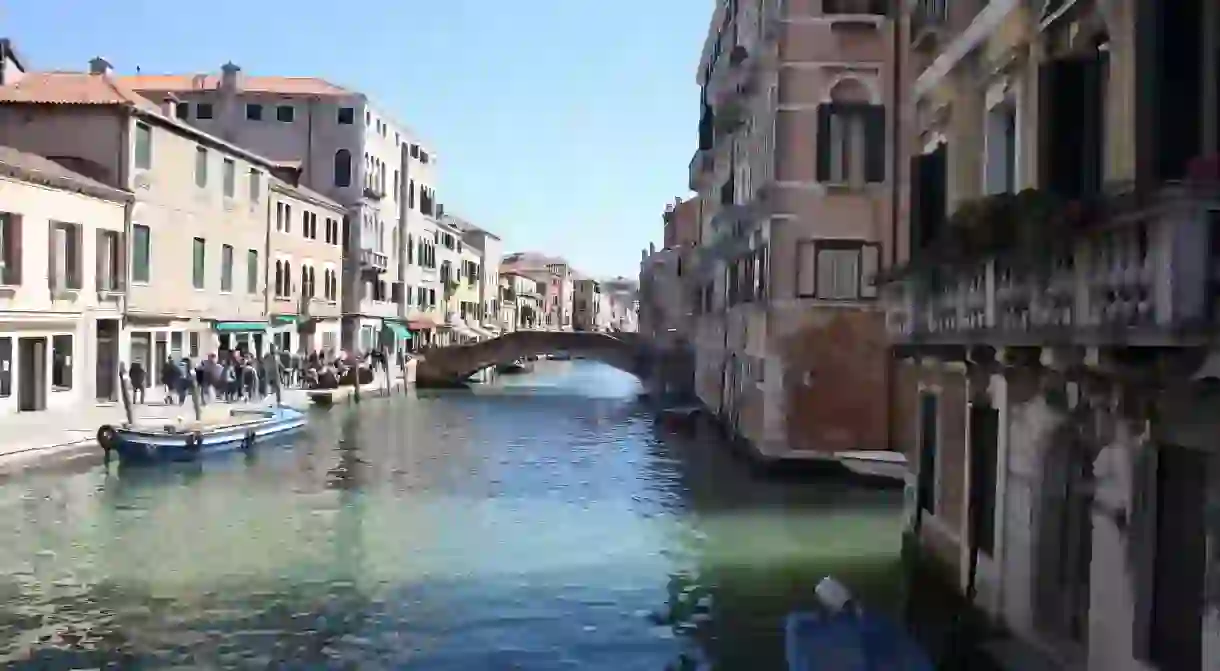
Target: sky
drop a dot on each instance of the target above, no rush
(564, 126)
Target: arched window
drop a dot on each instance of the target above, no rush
(312, 284)
(279, 278)
(287, 279)
(851, 135)
(304, 281)
(343, 168)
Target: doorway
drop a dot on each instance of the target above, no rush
(1180, 564)
(32, 374)
(107, 359)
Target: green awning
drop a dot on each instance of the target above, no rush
(240, 327)
(284, 319)
(399, 330)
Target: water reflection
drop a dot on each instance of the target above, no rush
(543, 522)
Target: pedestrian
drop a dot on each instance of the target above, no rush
(138, 382)
(169, 379)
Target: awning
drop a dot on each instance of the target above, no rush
(399, 330)
(240, 327)
(421, 324)
(283, 320)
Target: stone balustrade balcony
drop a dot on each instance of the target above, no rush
(1131, 270)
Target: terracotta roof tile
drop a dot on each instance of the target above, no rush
(312, 86)
(72, 88)
(34, 168)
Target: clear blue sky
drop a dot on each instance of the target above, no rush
(565, 126)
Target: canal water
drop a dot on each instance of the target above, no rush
(543, 522)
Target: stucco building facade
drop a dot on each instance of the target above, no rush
(795, 178)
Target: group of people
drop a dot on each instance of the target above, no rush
(237, 375)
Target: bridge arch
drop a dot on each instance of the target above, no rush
(446, 366)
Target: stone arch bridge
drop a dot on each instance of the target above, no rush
(447, 366)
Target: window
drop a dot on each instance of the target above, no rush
(414, 151)
(279, 278)
(851, 143)
(143, 146)
(287, 218)
(256, 185)
(410, 194)
(395, 186)
(198, 254)
(343, 168)
(1000, 149)
(65, 261)
(10, 249)
(201, 167)
(929, 439)
(193, 341)
(347, 116)
(252, 271)
(203, 111)
(61, 362)
(279, 216)
(230, 178)
(853, 7)
(254, 112)
(285, 113)
(837, 269)
(226, 268)
(423, 156)
(109, 274)
(141, 253)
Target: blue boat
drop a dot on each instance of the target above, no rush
(246, 428)
(842, 636)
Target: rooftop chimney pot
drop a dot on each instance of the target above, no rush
(100, 66)
(230, 76)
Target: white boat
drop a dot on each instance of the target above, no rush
(882, 464)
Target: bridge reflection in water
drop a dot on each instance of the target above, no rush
(448, 366)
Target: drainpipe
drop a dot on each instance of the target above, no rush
(895, 200)
(128, 213)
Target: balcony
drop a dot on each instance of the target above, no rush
(855, 14)
(373, 193)
(738, 79)
(372, 261)
(702, 166)
(730, 114)
(1128, 269)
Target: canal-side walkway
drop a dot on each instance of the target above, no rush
(65, 433)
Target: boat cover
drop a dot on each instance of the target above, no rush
(848, 641)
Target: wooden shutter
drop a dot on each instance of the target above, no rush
(102, 253)
(874, 143)
(823, 142)
(915, 205)
(870, 263)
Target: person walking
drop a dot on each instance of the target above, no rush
(139, 380)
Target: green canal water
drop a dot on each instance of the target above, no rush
(541, 522)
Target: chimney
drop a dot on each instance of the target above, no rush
(230, 77)
(100, 66)
(440, 210)
(169, 107)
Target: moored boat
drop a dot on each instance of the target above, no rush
(242, 430)
(842, 636)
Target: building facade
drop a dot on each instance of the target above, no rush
(62, 286)
(304, 269)
(347, 149)
(521, 302)
(794, 176)
(1056, 387)
(587, 308)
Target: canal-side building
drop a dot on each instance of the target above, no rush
(668, 290)
(490, 249)
(200, 205)
(304, 267)
(794, 173)
(1055, 322)
(521, 301)
(453, 330)
(544, 271)
(62, 285)
(348, 149)
(587, 312)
